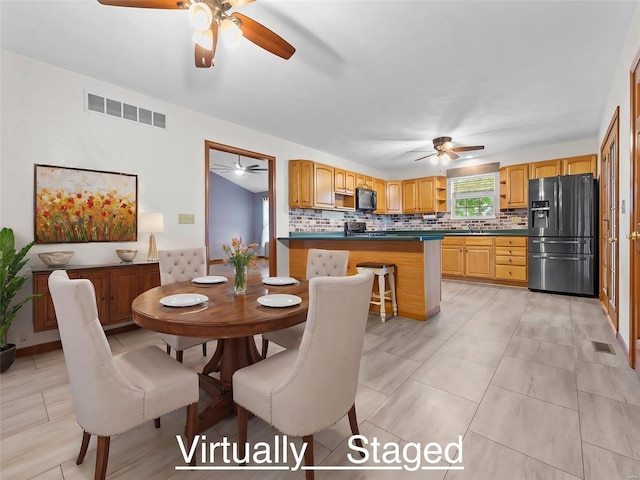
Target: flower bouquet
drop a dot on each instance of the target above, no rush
(240, 257)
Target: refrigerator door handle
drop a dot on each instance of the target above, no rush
(557, 200)
(551, 257)
(558, 241)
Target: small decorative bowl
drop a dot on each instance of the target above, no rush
(126, 255)
(55, 259)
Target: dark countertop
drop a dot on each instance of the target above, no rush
(414, 235)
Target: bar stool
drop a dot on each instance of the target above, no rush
(380, 270)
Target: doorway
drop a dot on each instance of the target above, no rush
(634, 213)
(609, 228)
(266, 165)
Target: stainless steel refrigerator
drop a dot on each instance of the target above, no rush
(562, 234)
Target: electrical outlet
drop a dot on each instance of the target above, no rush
(23, 336)
(186, 218)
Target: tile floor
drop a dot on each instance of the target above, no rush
(512, 371)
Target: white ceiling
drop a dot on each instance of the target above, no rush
(370, 80)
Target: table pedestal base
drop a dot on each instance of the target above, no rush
(231, 355)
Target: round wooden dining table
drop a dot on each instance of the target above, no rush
(231, 319)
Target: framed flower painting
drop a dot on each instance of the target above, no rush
(78, 205)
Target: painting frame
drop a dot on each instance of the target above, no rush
(80, 205)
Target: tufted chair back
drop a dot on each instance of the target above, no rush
(182, 265)
(326, 263)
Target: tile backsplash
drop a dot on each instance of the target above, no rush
(310, 220)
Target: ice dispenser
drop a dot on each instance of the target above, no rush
(539, 212)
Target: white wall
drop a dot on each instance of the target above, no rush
(619, 95)
(43, 121)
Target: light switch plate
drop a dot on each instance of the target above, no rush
(186, 218)
(623, 206)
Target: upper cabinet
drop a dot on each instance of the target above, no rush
(380, 186)
(301, 183)
(564, 166)
(514, 186)
(581, 164)
(424, 195)
(323, 186)
(394, 196)
(548, 168)
(344, 181)
(364, 181)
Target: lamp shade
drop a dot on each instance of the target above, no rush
(151, 223)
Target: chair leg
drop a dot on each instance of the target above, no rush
(83, 447)
(102, 457)
(192, 425)
(265, 347)
(156, 422)
(308, 456)
(353, 423)
(243, 419)
(168, 350)
(179, 355)
(204, 349)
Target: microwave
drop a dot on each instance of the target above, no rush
(366, 200)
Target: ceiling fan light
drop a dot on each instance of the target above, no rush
(204, 38)
(201, 15)
(435, 159)
(444, 159)
(231, 33)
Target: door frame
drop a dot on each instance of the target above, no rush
(634, 217)
(612, 130)
(271, 160)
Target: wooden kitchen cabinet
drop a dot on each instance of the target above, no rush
(115, 285)
(344, 181)
(478, 257)
(453, 256)
(511, 259)
(364, 181)
(380, 186)
(301, 183)
(580, 164)
(548, 168)
(514, 186)
(424, 195)
(323, 186)
(394, 196)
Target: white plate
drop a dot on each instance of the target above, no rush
(279, 281)
(183, 300)
(210, 279)
(279, 300)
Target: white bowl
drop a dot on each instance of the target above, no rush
(126, 255)
(55, 259)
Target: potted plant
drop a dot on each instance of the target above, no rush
(11, 262)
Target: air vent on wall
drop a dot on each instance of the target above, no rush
(97, 103)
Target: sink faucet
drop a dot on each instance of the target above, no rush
(470, 229)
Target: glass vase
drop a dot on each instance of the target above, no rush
(240, 280)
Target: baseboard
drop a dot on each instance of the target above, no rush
(625, 348)
(57, 345)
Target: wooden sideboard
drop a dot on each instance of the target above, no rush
(116, 286)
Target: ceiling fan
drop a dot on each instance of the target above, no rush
(210, 16)
(445, 151)
(238, 168)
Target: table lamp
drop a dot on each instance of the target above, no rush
(152, 223)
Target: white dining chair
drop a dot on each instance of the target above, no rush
(182, 265)
(301, 391)
(114, 393)
(320, 263)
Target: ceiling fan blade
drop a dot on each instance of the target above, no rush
(203, 56)
(223, 166)
(426, 156)
(263, 37)
(238, 3)
(452, 155)
(468, 149)
(167, 4)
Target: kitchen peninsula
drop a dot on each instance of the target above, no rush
(417, 258)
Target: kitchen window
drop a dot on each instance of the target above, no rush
(474, 196)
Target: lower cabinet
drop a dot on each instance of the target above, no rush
(501, 259)
(116, 286)
(511, 259)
